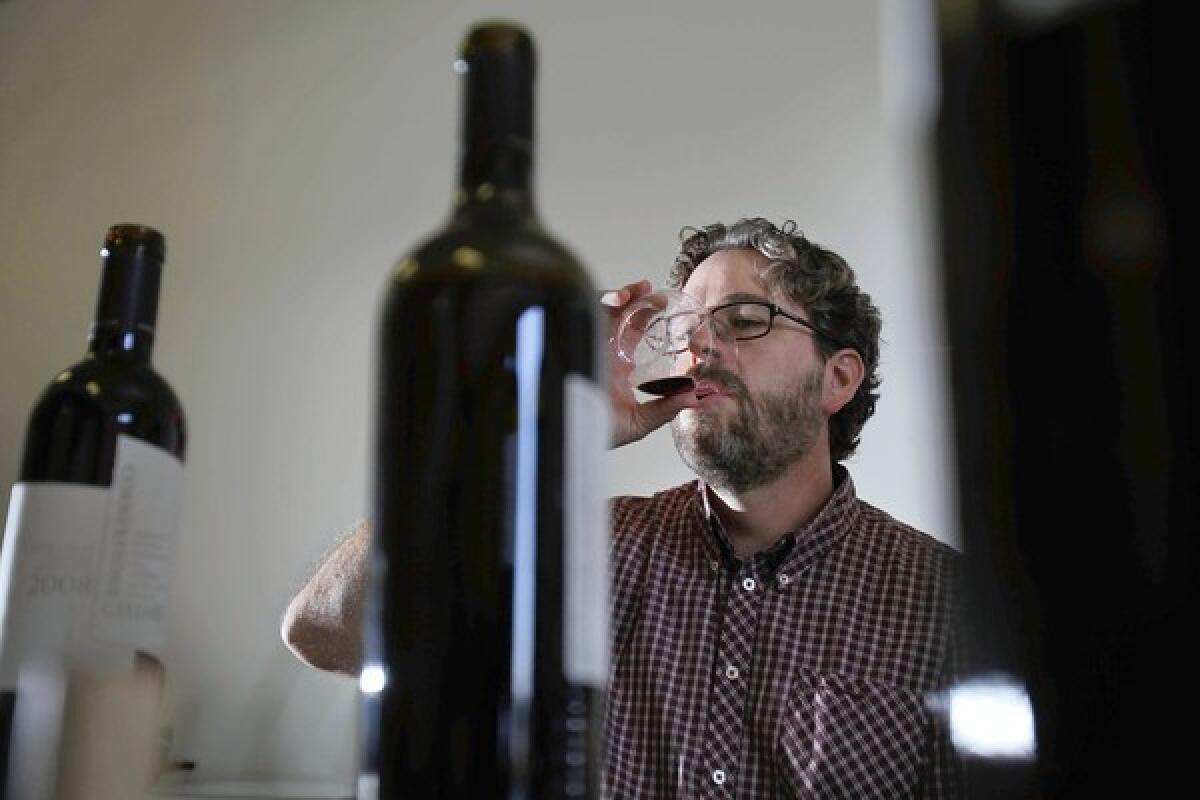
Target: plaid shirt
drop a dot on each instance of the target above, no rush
(801, 672)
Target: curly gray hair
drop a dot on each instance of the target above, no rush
(822, 283)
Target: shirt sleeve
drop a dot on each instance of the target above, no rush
(945, 776)
(628, 554)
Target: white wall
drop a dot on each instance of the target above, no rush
(291, 151)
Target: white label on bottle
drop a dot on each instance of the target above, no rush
(85, 570)
(47, 571)
(133, 579)
(585, 629)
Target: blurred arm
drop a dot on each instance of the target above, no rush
(322, 625)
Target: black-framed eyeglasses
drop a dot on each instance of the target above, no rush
(752, 319)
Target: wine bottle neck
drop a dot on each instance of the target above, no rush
(114, 341)
(494, 185)
(127, 304)
(497, 129)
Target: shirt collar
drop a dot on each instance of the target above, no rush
(798, 547)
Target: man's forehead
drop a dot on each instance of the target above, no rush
(734, 270)
(730, 275)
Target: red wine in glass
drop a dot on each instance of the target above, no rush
(665, 387)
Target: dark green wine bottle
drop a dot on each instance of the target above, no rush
(486, 639)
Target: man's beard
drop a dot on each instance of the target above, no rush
(766, 434)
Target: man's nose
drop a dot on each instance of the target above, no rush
(707, 345)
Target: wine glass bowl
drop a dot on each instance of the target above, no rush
(657, 335)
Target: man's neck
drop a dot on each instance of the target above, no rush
(756, 519)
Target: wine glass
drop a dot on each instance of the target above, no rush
(657, 335)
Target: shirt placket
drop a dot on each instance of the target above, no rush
(730, 681)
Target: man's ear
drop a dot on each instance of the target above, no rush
(844, 372)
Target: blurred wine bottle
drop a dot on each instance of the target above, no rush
(1062, 145)
(486, 640)
(88, 550)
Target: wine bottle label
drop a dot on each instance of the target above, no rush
(585, 630)
(85, 570)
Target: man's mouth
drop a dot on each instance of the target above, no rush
(706, 388)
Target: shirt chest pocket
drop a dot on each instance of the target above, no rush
(844, 737)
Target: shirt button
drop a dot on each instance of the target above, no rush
(731, 672)
(784, 580)
(714, 566)
(718, 776)
(749, 584)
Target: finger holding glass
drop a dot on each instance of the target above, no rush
(632, 418)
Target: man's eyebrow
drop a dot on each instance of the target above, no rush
(742, 297)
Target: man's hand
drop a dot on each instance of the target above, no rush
(633, 420)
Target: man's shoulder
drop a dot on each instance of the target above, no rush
(662, 506)
(665, 501)
(904, 540)
(913, 572)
